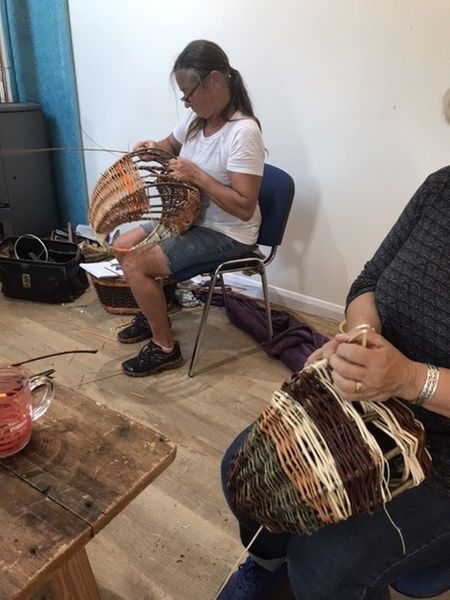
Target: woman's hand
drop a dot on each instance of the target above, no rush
(183, 170)
(324, 352)
(329, 348)
(374, 373)
(145, 145)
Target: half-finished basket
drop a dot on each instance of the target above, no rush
(312, 459)
(137, 187)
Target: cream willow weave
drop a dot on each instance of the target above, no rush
(137, 187)
(312, 459)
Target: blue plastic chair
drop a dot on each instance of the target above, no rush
(275, 201)
(426, 583)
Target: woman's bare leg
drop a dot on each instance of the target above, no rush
(130, 238)
(141, 267)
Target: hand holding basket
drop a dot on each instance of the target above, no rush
(312, 459)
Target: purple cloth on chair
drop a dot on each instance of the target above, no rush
(292, 340)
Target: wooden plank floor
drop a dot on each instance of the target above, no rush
(177, 539)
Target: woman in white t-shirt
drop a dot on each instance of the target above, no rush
(219, 149)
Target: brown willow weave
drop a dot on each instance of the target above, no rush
(138, 187)
(116, 296)
(312, 459)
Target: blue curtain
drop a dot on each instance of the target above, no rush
(42, 59)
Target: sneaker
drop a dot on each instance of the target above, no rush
(136, 331)
(186, 299)
(151, 359)
(253, 582)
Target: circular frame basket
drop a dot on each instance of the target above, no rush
(139, 187)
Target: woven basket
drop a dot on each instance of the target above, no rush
(116, 296)
(138, 187)
(312, 459)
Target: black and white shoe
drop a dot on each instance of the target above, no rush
(152, 359)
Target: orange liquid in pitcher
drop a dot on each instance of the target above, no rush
(15, 415)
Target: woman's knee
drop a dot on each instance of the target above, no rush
(130, 266)
(129, 238)
(144, 262)
(227, 458)
(332, 563)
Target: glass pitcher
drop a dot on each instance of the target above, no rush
(19, 408)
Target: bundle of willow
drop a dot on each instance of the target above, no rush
(312, 459)
(138, 187)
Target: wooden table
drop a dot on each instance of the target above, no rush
(84, 464)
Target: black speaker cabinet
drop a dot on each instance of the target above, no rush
(27, 195)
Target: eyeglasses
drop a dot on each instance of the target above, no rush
(187, 97)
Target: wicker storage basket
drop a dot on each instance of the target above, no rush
(116, 296)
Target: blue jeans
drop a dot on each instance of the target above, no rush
(358, 558)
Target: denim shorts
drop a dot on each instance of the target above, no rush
(199, 246)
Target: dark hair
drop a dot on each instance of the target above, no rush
(202, 57)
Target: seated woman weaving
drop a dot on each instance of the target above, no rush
(219, 150)
(403, 297)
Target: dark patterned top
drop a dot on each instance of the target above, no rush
(410, 275)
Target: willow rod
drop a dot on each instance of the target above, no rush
(23, 362)
(11, 152)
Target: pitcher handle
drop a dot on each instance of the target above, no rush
(41, 407)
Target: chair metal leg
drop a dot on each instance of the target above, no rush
(222, 284)
(265, 288)
(202, 326)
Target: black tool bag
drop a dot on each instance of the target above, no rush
(41, 270)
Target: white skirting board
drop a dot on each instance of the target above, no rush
(251, 286)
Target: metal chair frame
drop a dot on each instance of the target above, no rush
(231, 266)
(277, 187)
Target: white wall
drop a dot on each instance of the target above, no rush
(349, 93)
